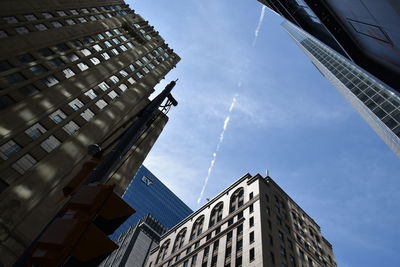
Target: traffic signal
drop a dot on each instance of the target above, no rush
(78, 235)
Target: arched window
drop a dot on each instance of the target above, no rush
(216, 214)
(180, 238)
(163, 251)
(197, 228)
(236, 200)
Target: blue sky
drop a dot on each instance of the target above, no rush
(287, 118)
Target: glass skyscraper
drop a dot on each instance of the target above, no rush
(147, 194)
(376, 102)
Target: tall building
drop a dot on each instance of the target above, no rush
(136, 243)
(365, 30)
(72, 74)
(147, 194)
(251, 223)
(356, 47)
(376, 102)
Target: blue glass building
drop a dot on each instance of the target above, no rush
(147, 194)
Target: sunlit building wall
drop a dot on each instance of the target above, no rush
(376, 102)
(72, 73)
(252, 223)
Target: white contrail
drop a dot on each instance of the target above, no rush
(214, 156)
(257, 31)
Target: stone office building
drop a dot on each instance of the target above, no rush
(251, 223)
(136, 243)
(72, 73)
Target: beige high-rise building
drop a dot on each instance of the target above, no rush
(251, 223)
(72, 74)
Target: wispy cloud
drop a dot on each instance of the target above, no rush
(260, 21)
(221, 138)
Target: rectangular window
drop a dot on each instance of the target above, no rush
(290, 244)
(87, 114)
(28, 90)
(49, 81)
(82, 66)
(95, 60)
(91, 94)
(105, 55)
(97, 47)
(123, 73)
(123, 48)
(56, 24)
(139, 75)
(251, 256)
(6, 101)
(3, 34)
(112, 94)
(45, 52)
(239, 245)
(114, 79)
(75, 104)
(104, 86)
(280, 234)
(251, 222)
(50, 143)
(72, 57)
(14, 78)
(123, 87)
(86, 52)
(251, 208)
(10, 20)
(272, 258)
(62, 47)
(146, 70)
(8, 149)
(38, 69)
(114, 51)
(251, 237)
(70, 21)
(57, 116)
(101, 103)
(24, 164)
(71, 127)
(194, 259)
(283, 251)
(55, 62)
(41, 27)
(47, 15)
(35, 131)
(239, 262)
(68, 73)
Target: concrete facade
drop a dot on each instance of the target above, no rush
(72, 73)
(251, 223)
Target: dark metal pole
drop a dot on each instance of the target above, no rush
(130, 137)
